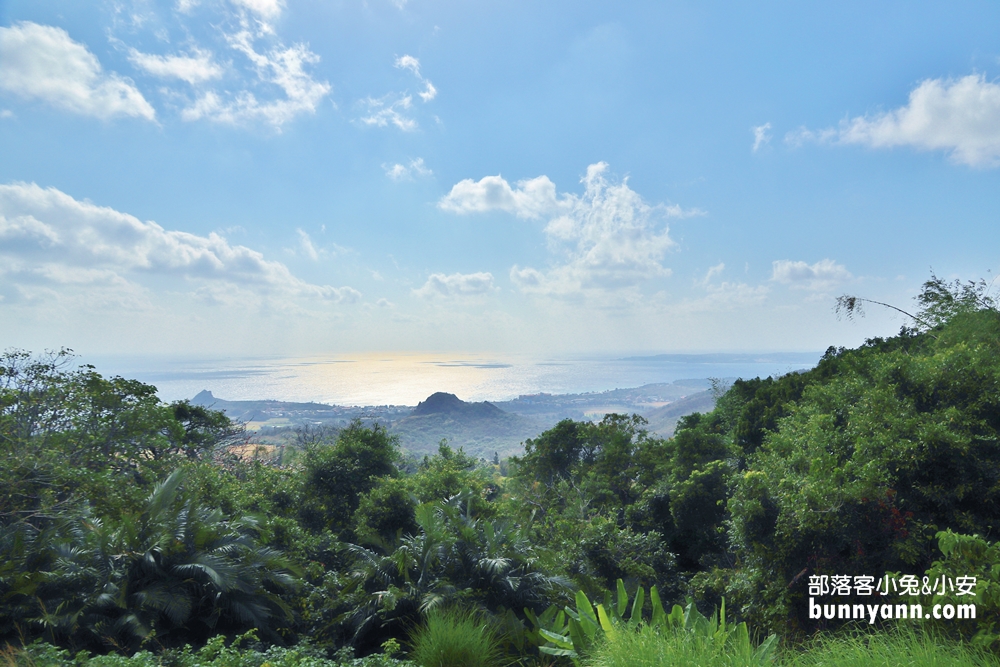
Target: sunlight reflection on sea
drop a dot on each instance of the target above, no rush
(406, 379)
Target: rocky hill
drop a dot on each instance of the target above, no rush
(482, 429)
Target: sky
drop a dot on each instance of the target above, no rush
(302, 177)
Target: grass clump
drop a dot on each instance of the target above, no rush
(455, 638)
(898, 648)
(649, 646)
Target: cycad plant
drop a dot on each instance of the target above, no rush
(176, 573)
(452, 557)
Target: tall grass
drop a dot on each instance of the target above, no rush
(901, 647)
(455, 638)
(653, 647)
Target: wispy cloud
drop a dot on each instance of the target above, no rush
(194, 68)
(396, 108)
(44, 63)
(263, 9)
(383, 112)
(279, 66)
(958, 116)
(401, 172)
(412, 64)
(761, 136)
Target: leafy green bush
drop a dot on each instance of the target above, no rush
(455, 638)
(214, 654)
(971, 556)
(573, 633)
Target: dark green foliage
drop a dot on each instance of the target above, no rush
(336, 475)
(889, 444)
(172, 573)
(453, 556)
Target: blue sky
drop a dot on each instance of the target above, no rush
(296, 177)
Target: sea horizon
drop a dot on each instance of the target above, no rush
(408, 378)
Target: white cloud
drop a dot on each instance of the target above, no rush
(533, 198)
(824, 274)
(307, 246)
(712, 272)
(802, 136)
(761, 136)
(282, 67)
(264, 9)
(456, 285)
(47, 234)
(606, 239)
(394, 108)
(961, 117)
(195, 68)
(382, 113)
(412, 64)
(401, 172)
(43, 62)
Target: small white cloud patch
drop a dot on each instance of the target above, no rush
(264, 9)
(44, 63)
(194, 68)
(761, 136)
(412, 64)
(822, 275)
(382, 112)
(401, 172)
(456, 285)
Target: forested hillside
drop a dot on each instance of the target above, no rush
(127, 524)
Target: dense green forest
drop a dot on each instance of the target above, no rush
(134, 531)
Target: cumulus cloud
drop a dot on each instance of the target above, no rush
(605, 239)
(44, 63)
(960, 117)
(48, 235)
(822, 275)
(456, 285)
(281, 67)
(532, 198)
(194, 68)
(401, 172)
(761, 136)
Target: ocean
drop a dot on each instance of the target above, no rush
(406, 379)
